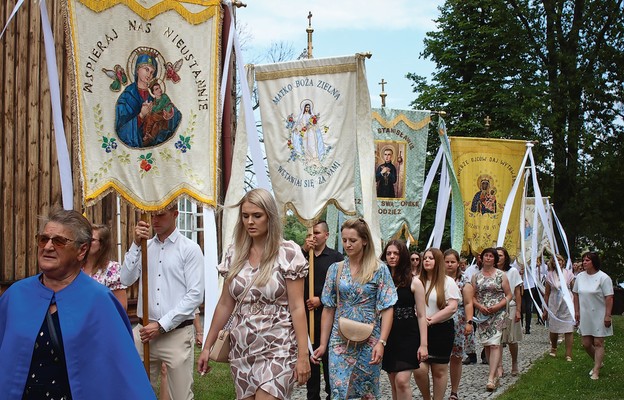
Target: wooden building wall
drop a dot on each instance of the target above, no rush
(28, 168)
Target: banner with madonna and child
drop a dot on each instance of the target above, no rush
(146, 90)
(486, 170)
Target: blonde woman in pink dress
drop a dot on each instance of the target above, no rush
(268, 335)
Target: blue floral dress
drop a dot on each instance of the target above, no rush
(350, 374)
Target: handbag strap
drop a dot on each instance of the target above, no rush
(338, 275)
(239, 303)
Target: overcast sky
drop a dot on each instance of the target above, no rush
(392, 30)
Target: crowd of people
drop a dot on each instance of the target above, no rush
(408, 314)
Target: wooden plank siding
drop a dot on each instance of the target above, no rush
(28, 169)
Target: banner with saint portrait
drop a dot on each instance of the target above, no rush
(400, 153)
(486, 170)
(145, 77)
(313, 113)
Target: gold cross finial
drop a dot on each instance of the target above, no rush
(383, 94)
(382, 83)
(487, 121)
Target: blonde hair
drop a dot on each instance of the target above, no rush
(370, 262)
(556, 258)
(104, 254)
(242, 241)
(437, 278)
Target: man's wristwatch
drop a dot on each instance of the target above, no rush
(161, 329)
(383, 342)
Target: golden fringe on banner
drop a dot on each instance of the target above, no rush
(306, 71)
(401, 118)
(159, 8)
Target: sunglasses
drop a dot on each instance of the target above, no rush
(415, 259)
(57, 241)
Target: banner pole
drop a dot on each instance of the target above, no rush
(311, 285)
(144, 288)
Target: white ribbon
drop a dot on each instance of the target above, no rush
(431, 175)
(510, 200)
(17, 6)
(444, 194)
(64, 163)
(255, 150)
(211, 278)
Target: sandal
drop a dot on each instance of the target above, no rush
(490, 386)
(514, 372)
(553, 352)
(453, 396)
(568, 359)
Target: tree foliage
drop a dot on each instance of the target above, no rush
(549, 71)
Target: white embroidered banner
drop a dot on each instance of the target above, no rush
(312, 128)
(146, 75)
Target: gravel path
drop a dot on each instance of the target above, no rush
(474, 377)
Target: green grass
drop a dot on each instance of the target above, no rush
(554, 378)
(215, 385)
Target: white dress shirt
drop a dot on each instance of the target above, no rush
(175, 278)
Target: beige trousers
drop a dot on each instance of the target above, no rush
(175, 349)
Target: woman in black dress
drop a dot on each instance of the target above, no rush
(407, 342)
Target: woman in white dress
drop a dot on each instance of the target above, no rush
(593, 302)
(560, 320)
(512, 332)
(441, 298)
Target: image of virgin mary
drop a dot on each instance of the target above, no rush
(135, 104)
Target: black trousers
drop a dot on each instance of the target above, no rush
(314, 383)
(527, 307)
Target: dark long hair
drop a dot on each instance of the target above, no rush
(507, 263)
(402, 273)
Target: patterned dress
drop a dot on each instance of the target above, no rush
(488, 292)
(350, 374)
(110, 277)
(459, 319)
(264, 347)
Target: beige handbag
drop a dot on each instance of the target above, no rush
(220, 350)
(352, 331)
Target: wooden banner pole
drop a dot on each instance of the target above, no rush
(144, 289)
(311, 285)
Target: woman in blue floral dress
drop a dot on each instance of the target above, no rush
(367, 293)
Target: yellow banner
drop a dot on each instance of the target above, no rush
(486, 170)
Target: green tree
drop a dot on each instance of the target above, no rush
(546, 70)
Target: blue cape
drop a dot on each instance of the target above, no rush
(102, 361)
